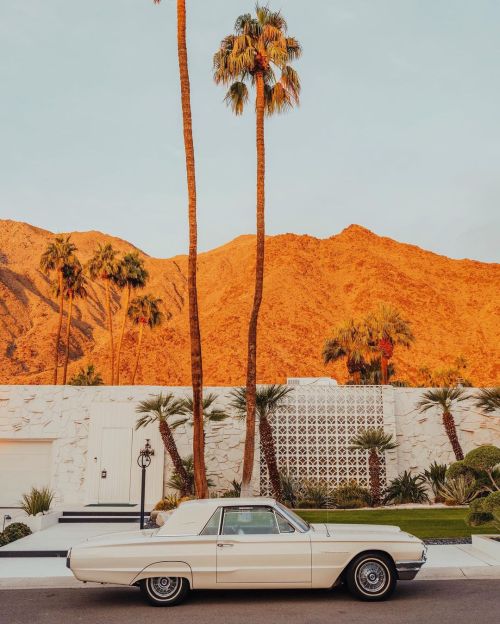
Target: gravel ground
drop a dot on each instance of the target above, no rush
(447, 540)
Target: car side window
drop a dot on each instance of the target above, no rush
(283, 525)
(250, 521)
(212, 526)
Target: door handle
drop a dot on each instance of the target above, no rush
(224, 545)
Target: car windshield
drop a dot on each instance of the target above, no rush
(297, 520)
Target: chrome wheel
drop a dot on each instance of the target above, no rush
(372, 576)
(164, 587)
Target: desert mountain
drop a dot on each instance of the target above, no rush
(310, 285)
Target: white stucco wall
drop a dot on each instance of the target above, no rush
(71, 418)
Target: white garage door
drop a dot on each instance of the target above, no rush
(23, 464)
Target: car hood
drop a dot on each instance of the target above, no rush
(355, 532)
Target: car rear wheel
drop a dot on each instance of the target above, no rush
(165, 591)
(371, 577)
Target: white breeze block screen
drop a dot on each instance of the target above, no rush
(314, 429)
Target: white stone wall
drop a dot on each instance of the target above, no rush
(68, 416)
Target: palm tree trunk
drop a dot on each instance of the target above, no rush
(138, 353)
(451, 432)
(269, 452)
(356, 377)
(122, 332)
(200, 477)
(59, 326)
(171, 446)
(374, 472)
(68, 334)
(384, 367)
(110, 329)
(251, 388)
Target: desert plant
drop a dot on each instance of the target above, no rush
(86, 377)
(387, 328)
(349, 341)
(314, 495)
(351, 495)
(375, 442)
(488, 399)
(167, 503)
(257, 50)
(484, 510)
(187, 485)
(484, 459)
(407, 488)
(458, 491)
(13, 532)
(445, 399)
(74, 286)
(162, 409)
(435, 476)
(234, 491)
(56, 256)
(37, 501)
(144, 312)
(268, 400)
(211, 413)
(291, 489)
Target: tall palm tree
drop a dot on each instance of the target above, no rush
(268, 400)
(103, 266)
(349, 341)
(388, 329)
(162, 409)
(488, 399)
(200, 476)
(445, 399)
(376, 442)
(131, 276)
(144, 311)
(56, 256)
(257, 50)
(74, 284)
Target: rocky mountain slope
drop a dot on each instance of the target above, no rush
(310, 285)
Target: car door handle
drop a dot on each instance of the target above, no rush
(224, 545)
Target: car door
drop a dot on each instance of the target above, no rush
(258, 546)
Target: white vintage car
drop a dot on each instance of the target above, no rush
(248, 543)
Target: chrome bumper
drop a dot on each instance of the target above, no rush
(408, 570)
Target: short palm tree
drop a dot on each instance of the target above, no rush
(56, 256)
(387, 329)
(144, 312)
(488, 399)
(445, 399)
(87, 377)
(132, 275)
(376, 442)
(268, 400)
(161, 409)
(211, 413)
(258, 50)
(350, 342)
(74, 284)
(103, 266)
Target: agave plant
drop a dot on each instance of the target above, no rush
(407, 488)
(435, 476)
(459, 491)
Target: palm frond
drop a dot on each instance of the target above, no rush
(237, 97)
(373, 439)
(488, 399)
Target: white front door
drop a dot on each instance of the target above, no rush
(115, 465)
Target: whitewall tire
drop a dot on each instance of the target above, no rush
(165, 591)
(371, 577)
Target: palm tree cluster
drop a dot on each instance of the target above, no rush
(70, 281)
(367, 345)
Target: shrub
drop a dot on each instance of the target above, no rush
(351, 495)
(291, 490)
(13, 532)
(484, 459)
(407, 488)
(314, 495)
(167, 503)
(485, 510)
(37, 501)
(459, 469)
(234, 491)
(435, 476)
(459, 491)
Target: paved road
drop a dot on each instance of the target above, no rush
(422, 602)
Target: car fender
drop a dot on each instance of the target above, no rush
(166, 568)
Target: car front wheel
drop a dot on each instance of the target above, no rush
(371, 577)
(165, 591)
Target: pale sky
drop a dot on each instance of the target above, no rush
(398, 129)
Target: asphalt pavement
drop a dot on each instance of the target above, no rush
(422, 602)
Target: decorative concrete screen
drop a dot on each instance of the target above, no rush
(314, 429)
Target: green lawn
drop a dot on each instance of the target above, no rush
(424, 523)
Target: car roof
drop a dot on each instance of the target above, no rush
(191, 516)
